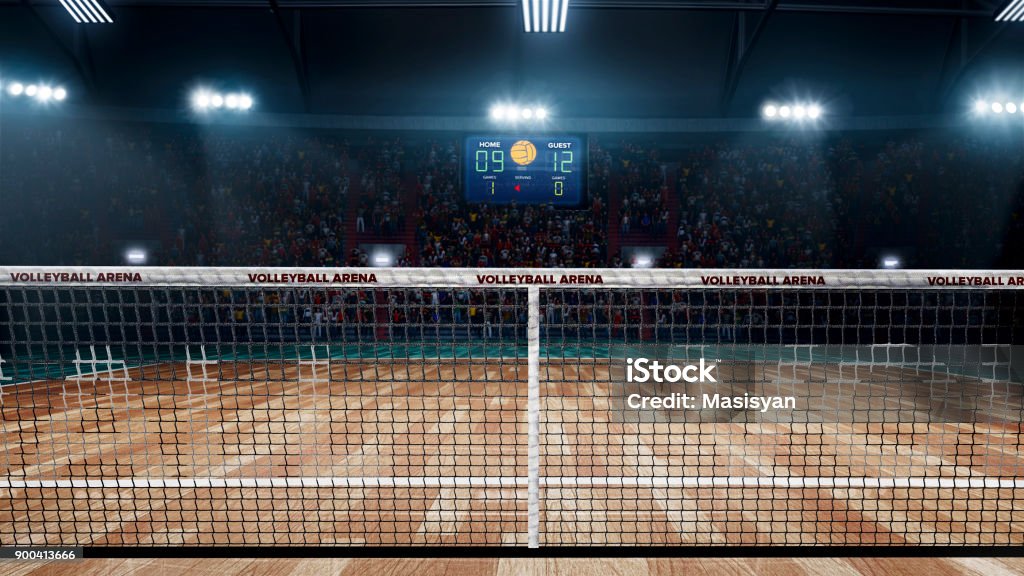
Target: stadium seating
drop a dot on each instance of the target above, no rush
(311, 199)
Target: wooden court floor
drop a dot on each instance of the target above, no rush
(435, 453)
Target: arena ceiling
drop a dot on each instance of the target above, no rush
(618, 58)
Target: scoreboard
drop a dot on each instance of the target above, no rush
(526, 170)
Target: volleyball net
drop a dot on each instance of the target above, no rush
(430, 407)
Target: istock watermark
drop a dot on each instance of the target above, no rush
(647, 371)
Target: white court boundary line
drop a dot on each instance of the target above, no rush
(316, 379)
(95, 376)
(204, 363)
(521, 481)
(2, 377)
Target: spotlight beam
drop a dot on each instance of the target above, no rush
(89, 11)
(85, 8)
(76, 11)
(1018, 14)
(544, 15)
(103, 12)
(1014, 11)
(71, 10)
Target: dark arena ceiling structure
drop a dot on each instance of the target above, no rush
(617, 58)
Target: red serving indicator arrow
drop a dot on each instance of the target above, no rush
(517, 188)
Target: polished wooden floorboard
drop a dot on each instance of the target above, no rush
(527, 567)
(442, 419)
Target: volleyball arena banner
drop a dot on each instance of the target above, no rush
(511, 277)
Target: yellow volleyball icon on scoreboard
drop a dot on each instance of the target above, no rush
(523, 152)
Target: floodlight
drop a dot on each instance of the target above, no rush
(769, 111)
(200, 100)
(980, 106)
(72, 10)
(814, 111)
(231, 101)
(785, 112)
(799, 111)
(60, 94)
(45, 93)
(31, 90)
(1014, 11)
(890, 262)
(545, 15)
(135, 256)
(245, 102)
(87, 11)
(1011, 108)
(513, 112)
(216, 100)
(16, 89)
(997, 107)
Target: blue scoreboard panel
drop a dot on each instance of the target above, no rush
(526, 170)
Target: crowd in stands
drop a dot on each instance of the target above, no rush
(277, 203)
(755, 206)
(644, 190)
(80, 194)
(379, 209)
(69, 196)
(937, 201)
(455, 233)
(84, 194)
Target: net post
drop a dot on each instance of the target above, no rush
(533, 415)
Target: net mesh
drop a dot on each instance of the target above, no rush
(904, 428)
(221, 413)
